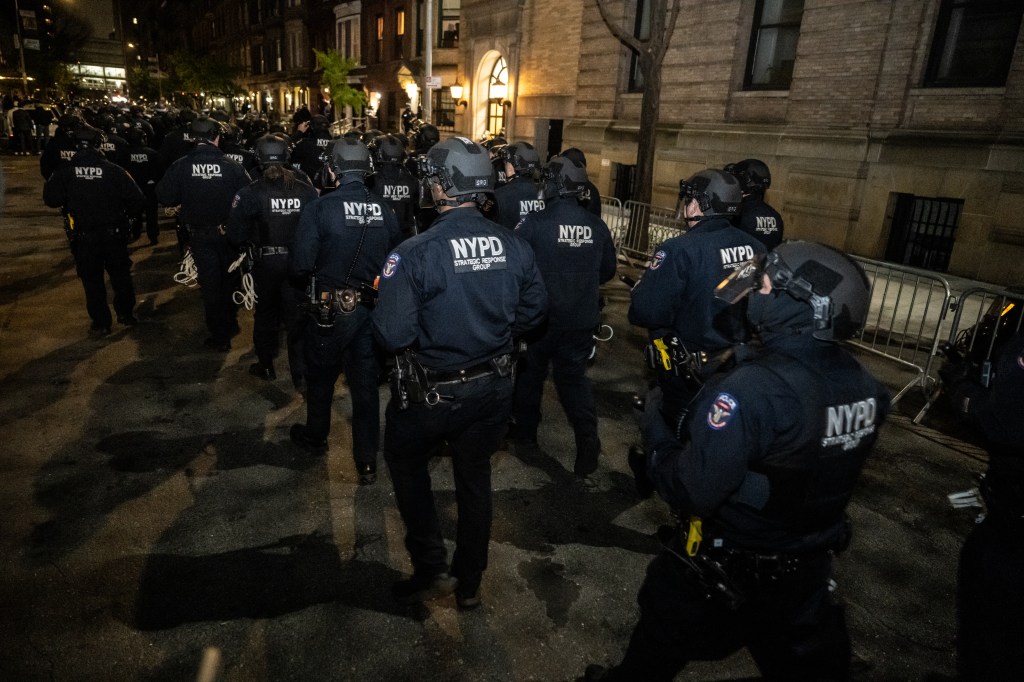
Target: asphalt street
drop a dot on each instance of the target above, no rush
(153, 509)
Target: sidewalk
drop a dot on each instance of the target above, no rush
(154, 506)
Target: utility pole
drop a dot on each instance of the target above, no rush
(21, 49)
(428, 60)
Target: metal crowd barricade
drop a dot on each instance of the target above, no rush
(985, 317)
(906, 321)
(644, 228)
(611, 214)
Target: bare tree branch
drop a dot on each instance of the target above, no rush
(622, 35)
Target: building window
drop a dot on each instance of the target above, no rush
(348, 38)
(295, 50)
(922, 230)
(642, 31)
(497, 93)
(399, 33)
(448, 23)
(773, 40)
(444, 109)
(380, 37)
(974, 42)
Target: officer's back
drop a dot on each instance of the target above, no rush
(520, 195)
(756, 217)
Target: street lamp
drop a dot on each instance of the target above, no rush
(457, 92)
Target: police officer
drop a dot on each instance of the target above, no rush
(692, 332)
(62, 146)
(99, 200)
(114, 147)
(314, 143)
(179, 141)
(770, 458)
(455, 295)
(393, 182)
(575, 255)
(144, 167)
(231, 145)
(341, 243)
(990, 597)
(264, 217)
(519, 195)
(203, 183)
(756, 217)
(590, 197)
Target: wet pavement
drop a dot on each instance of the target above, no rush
(154, 508)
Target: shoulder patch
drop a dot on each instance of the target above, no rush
(722, 409)
(391, 265)
(657, 260)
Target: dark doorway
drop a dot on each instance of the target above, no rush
(554, 137)
(922, 230)
(624, 175)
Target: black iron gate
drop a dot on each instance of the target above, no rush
(922, 230)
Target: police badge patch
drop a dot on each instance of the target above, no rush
(658, 259)
(721, 411)
(391, 265)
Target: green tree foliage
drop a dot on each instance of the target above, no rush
(335, 76)
(201, 77)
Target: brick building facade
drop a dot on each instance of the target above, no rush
(889, 129)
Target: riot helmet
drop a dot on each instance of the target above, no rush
(576, 156)
(753, 175)
(427, 136)
(87, 137)
(564, 178)
(523, 158)
(348, 155)
(387, 149)
(271, 149)
(136, 136)
(187, 116)
(461, 167)
(68, 124)
(717, 194)
(205, 129)
(320, 124)
(816, 289)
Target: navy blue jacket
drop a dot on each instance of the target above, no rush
(400, 189)
(97, 193)
(677, 293)
(267, 212)
(575, 255)
(760, 220)
(774, 448)
(458, 293)
(203, 183)
(515, 199)
(343, 237)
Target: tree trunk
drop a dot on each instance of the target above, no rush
(650, 107)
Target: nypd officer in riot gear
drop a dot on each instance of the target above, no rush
(692, 332)
(756, 217)
(340, 246)
(231, 145)
(990, 596)
(99, 200)
(264, 217)
(519, 195)
(203, 183)
(393, 182)
(62, 145)
(590, 196)
(452, 299)
(575, 255)
(144, 167)
(770, 459)
(314, 143)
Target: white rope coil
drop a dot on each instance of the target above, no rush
(187, 274)
(247, 296)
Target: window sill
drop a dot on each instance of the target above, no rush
(760, 93)
(957, 92)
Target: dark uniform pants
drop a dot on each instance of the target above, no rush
(213, 256)
(790, 626)
(152, 214)
(349, 348)
(277, 303)
(94, 253)
(567, 351)
(990, 592)
(473, 423)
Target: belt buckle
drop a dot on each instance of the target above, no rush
(348, 299)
